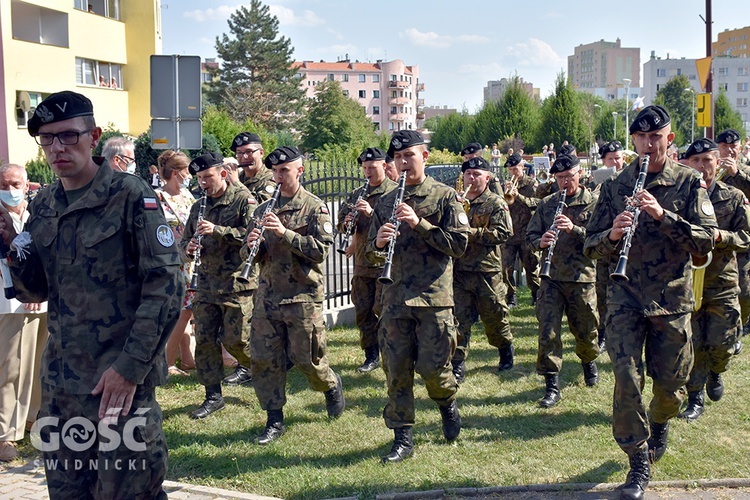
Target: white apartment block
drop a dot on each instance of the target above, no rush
(387, 91)
(601, 68)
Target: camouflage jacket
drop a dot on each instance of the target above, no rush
(733, 217)
(291, 266)
(221, 263)
(422, 267)
(109, 268)
(363, 267)
(658, 268)
(490, 228)
(568, 262)
(261, 185)
(523, 208)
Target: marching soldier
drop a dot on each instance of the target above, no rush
(417, 331)
(475, 150)
(478, 286)
(716, 322)
(366, 289)
(223, 303)
(560, 227)
(652, 307)
(520, 195)
(547, 188)
(288, 319)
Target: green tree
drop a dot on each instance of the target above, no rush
(515, 116)
(219, 124)
(453, 132)
(257, 76)
(562, 118)
(38, 169)
(335, 120)
(727, 117)
(679, 104)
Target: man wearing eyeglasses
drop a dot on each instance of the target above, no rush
(120, 154)
(97, 247)
(249, 152)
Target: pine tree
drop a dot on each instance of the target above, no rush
(726, 117)
(562, 117)
(679, 104)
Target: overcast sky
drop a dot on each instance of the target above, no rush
(459, 46)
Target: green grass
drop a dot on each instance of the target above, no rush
(506, 440)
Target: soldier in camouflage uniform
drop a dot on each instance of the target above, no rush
(366, 289)
(288, 320)
(417, 331)
(478, 286)
(475, 150)
(249, 151)
(223, 303)
(98, 248)
(716, 323)
(522, 202)
(570, 286)
(653, 307)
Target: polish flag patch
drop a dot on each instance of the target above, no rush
(150, 204)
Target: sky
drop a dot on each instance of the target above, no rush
(460, 46)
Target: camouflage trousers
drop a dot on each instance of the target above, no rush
(743, 263)
(530, 261)
(217, 324)
(368, 304)
(295, 330)
(666, 341)
(79, 464)
(480, 295)
(716, 327)
(602, 280)
(421, 339)
(578, 302)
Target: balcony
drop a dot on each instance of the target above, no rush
(420, 87)
(399, 117)
(420, 102)
(398, 84)
(420, 115)
(398, 101)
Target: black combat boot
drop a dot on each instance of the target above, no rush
(335, 402)
(657, 443)
(459, 370)
(512, 300)
(737, 347)
(714, 386)
(695, 406)
(552, 392)
(372, 360)
(640, 473)
(590, 373)
(403, 446)
(274, 427)
(213, 402)
(506, 357)
(602, 341)
(451, 420)
(241, 375)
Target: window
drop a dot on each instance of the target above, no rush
(98, 73)
(331, 77)
(35, 24)
(394, 94)
(375, 78)
(362, 94)
(345, 77)
(394, 78)
(679, 71)
(346, 93)
(394, 110)
(724, 86)
(741, 102)
(661, 72)
(742, 87)
(376, 94)
(742, 71)
(362, 78)
(376, 110)
(364, 109)
(22, 117)
(108, 8)
(376, 126)
(723, 71)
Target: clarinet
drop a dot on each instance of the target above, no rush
(247, 269)
(619, 274)
(551, 250)
(197, 253)
(386, 276)
(352, 223)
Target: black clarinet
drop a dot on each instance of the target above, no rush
(10, 291)
(247, 269)
(386, 276)
(551, 249)
(632, 207)
(352, 223)
(197, 253)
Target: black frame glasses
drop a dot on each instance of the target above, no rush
(66, 137)
(247, 153)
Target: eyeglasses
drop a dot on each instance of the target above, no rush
(67, 138)
(247, 154)
(568, 177)
(127, 158)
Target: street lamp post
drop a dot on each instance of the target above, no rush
(692, 116)
(626, 81)
(614, 129)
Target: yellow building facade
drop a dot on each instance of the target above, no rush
(100, 48)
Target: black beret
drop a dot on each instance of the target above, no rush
(388, 158)
(371, 154)
(513, 160)
(650, 118)
(610, 147)
(701, 146)
(281, 155)
(567, 149)
(244, 138)
(477, 162)
(58, 107)
(471, 149)
(205, 161)
(563, 163)
(729, 136)
(404, 139)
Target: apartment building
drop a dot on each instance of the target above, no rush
(601, 68)
(733, 43)
(495, 89)
(387, 91)
(100, 48)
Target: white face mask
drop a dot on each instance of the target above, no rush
(130, 168)
(12, 197)
(185, 182)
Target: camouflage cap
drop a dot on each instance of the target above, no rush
(58, 107)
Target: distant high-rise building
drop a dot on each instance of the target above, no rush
(496, 88)
(732, 43)
(600, 68)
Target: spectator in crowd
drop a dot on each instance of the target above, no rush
(119, 152)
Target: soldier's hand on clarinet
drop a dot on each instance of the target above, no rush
(649, 204)
(363, 208)
(205, 227)
(563, 223)
(192, 246)
(620, 225)
(385, 233)
(349, 252)
(272, 223)
(404, 213)
(547, 238)
(253, 236)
